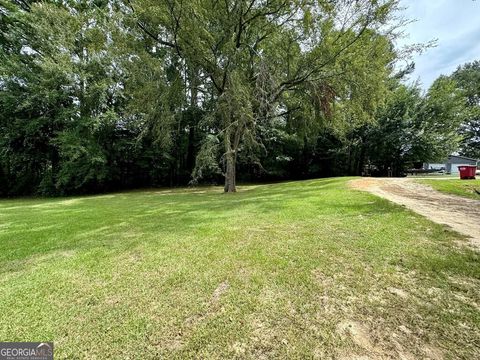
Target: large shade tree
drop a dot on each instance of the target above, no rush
(97, 94)
(467, 78)
(62, 98)
(258, 60)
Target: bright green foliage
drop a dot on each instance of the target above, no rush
(63, 118)
(441, 117)
(258, 60)
(397, 139)
(106, 94)
(467, 78)
(410, 129)
(58, 85)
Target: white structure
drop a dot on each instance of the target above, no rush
(452, 163)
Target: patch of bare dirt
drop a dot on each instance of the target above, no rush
(370, 345)
(432, 353)
(357, 332)
(220, 290)
(211, 307)
(460, 214)
(399, 292)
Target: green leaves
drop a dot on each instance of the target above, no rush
(108, 90)
(467, 80)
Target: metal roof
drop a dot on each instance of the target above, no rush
(462, 157)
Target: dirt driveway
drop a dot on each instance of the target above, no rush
(462, 215)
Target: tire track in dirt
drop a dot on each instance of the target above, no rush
(461, 214)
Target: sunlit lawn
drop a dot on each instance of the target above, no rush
(293, 270)
(465, 188)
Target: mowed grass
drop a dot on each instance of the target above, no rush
(465, 188)
(306, 269)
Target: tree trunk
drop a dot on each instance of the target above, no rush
(193, 74)
(230, 181)
(191, 148)
(230, 165)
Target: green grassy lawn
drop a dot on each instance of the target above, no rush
(295, 270)
(465, 188)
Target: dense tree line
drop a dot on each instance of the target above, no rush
(99, 95)
(467, 81)
(413, 127)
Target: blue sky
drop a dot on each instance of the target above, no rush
(456, 26)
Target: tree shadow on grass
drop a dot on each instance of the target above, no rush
(118, 223)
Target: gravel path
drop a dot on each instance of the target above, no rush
(461, 214)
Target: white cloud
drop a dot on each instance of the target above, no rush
(456, 25)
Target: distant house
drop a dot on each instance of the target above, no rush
(451, 164)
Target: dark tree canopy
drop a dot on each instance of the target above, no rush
(99, 95)
(467, 78)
